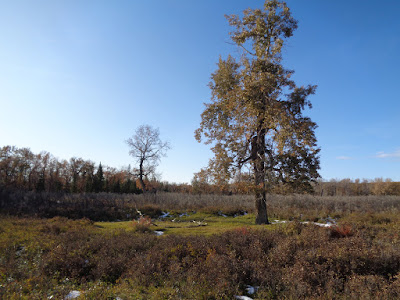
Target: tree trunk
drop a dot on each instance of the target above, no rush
(258, 154)
(142, 186)
(141, 171)
(261, 209)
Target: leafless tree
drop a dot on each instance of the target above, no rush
(147, 149)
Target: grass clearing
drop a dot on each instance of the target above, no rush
(204, 224)
(194, 224)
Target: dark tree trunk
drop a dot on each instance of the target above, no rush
(261, 209)
(258, 154)
(141, 171)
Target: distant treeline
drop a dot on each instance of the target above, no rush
(357, 187)
(22, 169)
(334, 187)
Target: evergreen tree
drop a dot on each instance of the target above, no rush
(98, 184)
(117, 187)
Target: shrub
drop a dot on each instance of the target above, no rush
(142, 224)
(151, 210)
(341, 231)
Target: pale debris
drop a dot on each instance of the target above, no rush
(329, 223)
(200, 223)
(251, 289)
(279, 222)
(73, 295)
(243, 298)
(139, 212)
(319, 224)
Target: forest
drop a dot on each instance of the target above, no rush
(21, 169)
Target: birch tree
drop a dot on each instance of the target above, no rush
(147, 149)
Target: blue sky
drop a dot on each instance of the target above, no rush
(78, 77)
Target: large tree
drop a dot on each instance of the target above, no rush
(256, 116)
(146, 148)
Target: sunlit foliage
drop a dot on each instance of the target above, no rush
(256, 113)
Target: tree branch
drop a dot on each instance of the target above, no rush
(245, 160)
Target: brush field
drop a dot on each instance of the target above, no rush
(209, 248)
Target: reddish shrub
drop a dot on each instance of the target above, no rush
(341, 231)
(143, 224)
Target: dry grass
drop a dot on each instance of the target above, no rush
(110, 207)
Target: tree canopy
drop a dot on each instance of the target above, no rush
(255, 117)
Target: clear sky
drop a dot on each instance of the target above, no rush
(77, 77)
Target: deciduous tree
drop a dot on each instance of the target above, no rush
(256, 113)
(146, 148)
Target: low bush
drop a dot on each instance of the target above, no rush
(341, 231)
(151, 210)
(142, 224)
(42, 258)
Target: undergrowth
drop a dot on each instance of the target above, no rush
(210, 249)
(47, 258)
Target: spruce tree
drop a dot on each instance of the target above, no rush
(98, 184)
